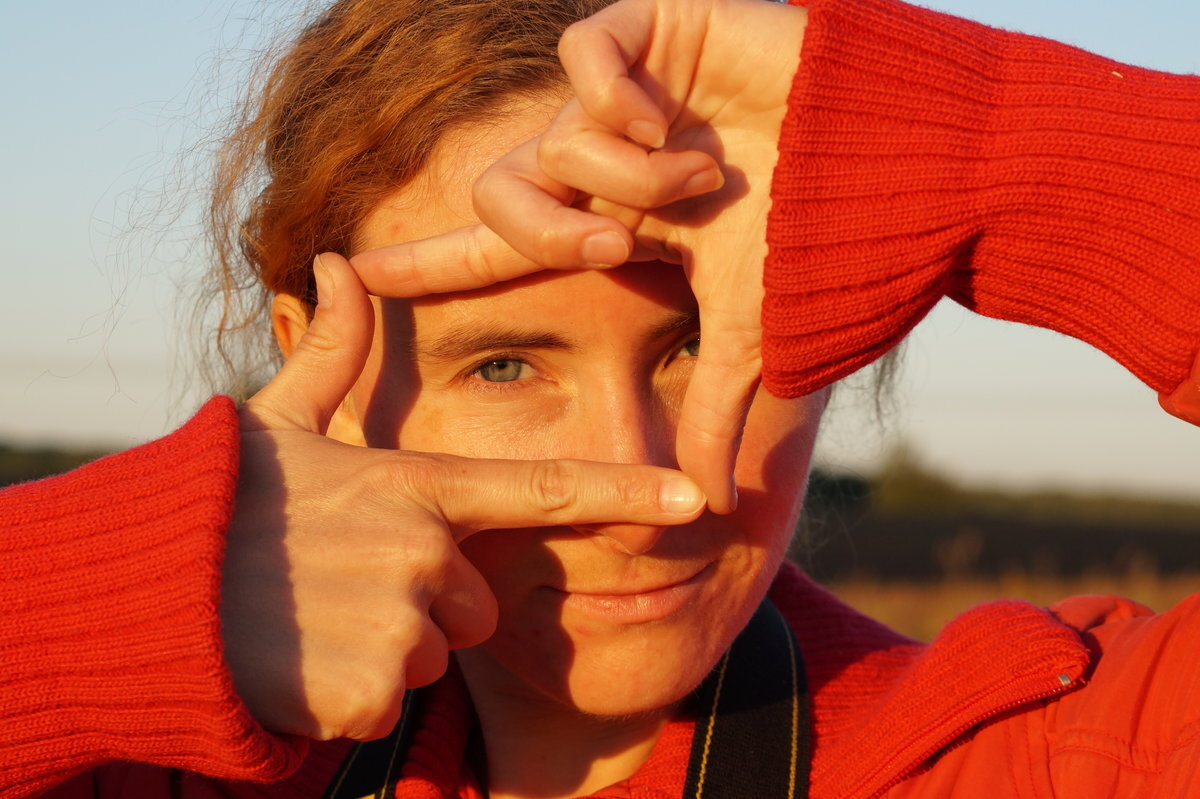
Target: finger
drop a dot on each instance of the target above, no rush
(465, 609)
(1184, 401)
(596, 54)
(595, 161)
(714, 410)
(473, 495)
(533, 213)
(363, 683)
(528, 225)
(328, 358)
(463, 259)
(428, 658)
(476, 256)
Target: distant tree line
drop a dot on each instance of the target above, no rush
(908, 522)
(21, 464)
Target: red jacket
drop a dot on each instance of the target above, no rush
(922, 156)
(1095, 697)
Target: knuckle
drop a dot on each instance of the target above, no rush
(407, 477)
(369, 729)
(653, 192)
(475, 256)
(485, 189)
(705, 429)
(551, 150)
(380, 728)
(428, 659)
(476, 627)
(420, 557)
(316, 341)
(371, 705)
(571, 38)
(412, 539)
(634, 492)
(549, 244)
(545, 240)
(553, 487)
(607, 104)
(324, 731)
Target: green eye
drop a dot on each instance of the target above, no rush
(504, 371)
(692, 348)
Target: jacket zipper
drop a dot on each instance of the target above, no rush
(1064, 683)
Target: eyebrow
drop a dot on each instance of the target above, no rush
(677, 320)
(463, 341)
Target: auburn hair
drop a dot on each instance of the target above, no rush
(343, 116)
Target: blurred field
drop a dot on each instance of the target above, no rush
(920, 609)
(913, 549)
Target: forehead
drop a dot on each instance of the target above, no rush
(588, 311)
(438, 199)
(629, 300)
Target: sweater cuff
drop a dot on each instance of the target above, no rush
(110, 635)
(925, 155)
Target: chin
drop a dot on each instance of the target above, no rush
(654, 681)
(606, 668)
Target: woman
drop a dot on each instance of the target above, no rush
(603, 626)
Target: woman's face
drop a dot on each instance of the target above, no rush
(615, 618)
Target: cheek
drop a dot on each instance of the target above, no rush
(441, 421)
(773, 463)
(778, 439)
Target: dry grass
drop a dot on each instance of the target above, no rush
(921, 609)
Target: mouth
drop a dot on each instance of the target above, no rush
(634, 605)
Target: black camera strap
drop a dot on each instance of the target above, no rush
(752, 738)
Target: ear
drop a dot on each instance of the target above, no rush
(289, 321)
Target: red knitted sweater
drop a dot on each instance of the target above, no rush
(923, 156)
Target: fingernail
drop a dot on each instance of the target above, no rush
(605, 249)
(704, 182)
(324, 280)
(647, 133)
(680, 495)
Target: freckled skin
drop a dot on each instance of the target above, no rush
(613, 396)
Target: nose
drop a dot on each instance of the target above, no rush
(625, 424)
(629, 539)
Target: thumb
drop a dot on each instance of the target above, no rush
(328, 358)
(716, 405)
(1184, 401)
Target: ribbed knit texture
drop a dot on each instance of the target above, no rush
(114, 570)
(876, 692)
(925, 155)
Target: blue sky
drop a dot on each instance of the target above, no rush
(100, 98)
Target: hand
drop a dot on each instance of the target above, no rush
(1184, 401)
(343, 583)
(666, 153)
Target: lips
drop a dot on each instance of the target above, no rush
(635, 604)
(626, 589)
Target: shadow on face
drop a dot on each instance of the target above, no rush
(611, 618)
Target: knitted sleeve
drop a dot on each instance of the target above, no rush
(109, 633)
(926, 156)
